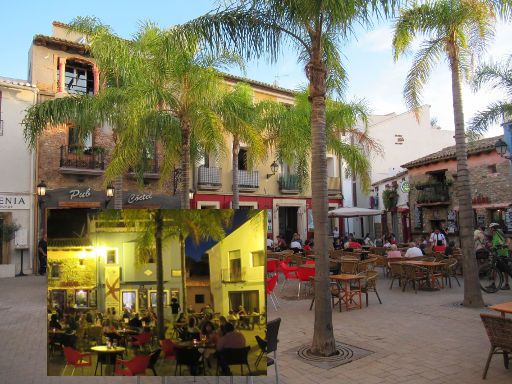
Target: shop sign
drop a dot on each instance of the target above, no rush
(136, 197)
(79, 193)
(405, 187)
(14, 202)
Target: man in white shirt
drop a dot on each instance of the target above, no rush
(413, 251)
(438, 241)
(270, 242)
(335, 233)
(295, 245)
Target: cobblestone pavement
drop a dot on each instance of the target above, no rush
(416, 338)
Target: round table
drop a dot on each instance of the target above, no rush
(106, 356)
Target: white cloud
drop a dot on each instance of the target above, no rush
(377, 40)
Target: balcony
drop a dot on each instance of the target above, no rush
(248, 181)
(289, 184)
(434, 193)
(208, 178)
(150, 170)
(76, 160)
(333, 185)
(233, 277)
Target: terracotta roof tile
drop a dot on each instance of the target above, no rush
(448, 153)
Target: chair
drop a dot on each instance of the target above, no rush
(153, 359)
(272, 267)
(234, 356)
(262, 344)
(428, 258)
(76, 359)
(94, 335)
(168, 349)
(499, 331)
(396, 271)
(289, 273)
(189, 357)
(141, 340)
(270, 286)
(371, 285)
(304, 274)
(272, 333)
(349, 266)
(450, 270)
(133, 367)
(414, 275)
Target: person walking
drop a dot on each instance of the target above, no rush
(175, 309)
(42, 254)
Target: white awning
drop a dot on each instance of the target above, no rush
(354, 212)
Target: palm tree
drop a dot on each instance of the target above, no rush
(498, 75)
(260, 27)
(155, 92)
(456, 30)
(239, 116)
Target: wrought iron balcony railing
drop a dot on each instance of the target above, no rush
(289, 184)
(433, 193)
(78, 158)
(248, 180)
(208, 177)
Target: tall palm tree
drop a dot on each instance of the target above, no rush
(154, 91)
(456, 30)
(314, 27)
(240, 118)
(498, 75)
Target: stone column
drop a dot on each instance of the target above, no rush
(96, 77)
(62, 74)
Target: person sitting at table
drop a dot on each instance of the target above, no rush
(233, 318)
(338, 243)
(270, 243)
(182, 319)
(281, 243)
(191, 331)
(296, 246)
(231, 339)
(152, 315)
(394, 252)
(136, 322)
(307, 246)
(208, 330)
(207, 310)
(71, 323)
(413, 250)
(54, 322)
(190, 310)
(449, 249)
(222, 325)
(89, 317)
(126, 313)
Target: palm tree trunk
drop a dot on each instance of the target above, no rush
(323, 338)
(159, 275)
(185, 163)
(236, 192)
(183, 274)
(472, 293)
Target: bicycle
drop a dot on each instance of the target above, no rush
(491, 272)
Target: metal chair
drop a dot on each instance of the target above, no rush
(272, 333)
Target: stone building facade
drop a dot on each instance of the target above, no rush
(433, 180)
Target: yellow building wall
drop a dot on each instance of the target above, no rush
(248, 238)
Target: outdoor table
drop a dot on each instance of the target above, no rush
(311, 266)
(503, 308)
(346, 295)
(106, 356)
(429, 266)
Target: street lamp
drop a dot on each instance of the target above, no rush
(191, 194)
(274, 168)
(41, 195)
(110, 193)
(41, 189)
(502, 149)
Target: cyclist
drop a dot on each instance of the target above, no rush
(499, 242)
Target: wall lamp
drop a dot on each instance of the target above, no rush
(110, 193)
(502, 149)
(274, 168)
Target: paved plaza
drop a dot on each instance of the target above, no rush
(415, 338)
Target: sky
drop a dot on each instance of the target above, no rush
(367, 57)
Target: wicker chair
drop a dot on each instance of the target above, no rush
(396, 272)
(414, 275)
(499, 330)
(449, 270)
(370, 285)
(349, 266)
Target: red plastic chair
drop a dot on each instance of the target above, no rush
(168, 349)
(270, 286)
(289, 273)
(76, 359)
(304, 275)
(132, 367)
(141, 340)
(272, 266)
(311, 262)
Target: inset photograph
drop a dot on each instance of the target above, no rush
(156, 292)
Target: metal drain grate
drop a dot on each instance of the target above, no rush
(346, 354)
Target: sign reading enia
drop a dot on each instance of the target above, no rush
(14, 202)
(136, 197)
(79, 194)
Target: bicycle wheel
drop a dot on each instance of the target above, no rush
(490, 278)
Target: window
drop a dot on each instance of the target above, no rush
(242, 159)
(492, 168)
(199, 299)
(74, 141)
(129, 300)
(152, 298)
(78, 78)
(235, 266)
(111, 256)
(249, 299)
(82, 298)
(258, 258)
(331, 167)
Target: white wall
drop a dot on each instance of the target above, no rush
(17, 165)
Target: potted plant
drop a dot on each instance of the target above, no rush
(390, 198)
(9, 231)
